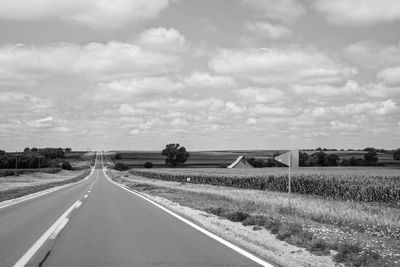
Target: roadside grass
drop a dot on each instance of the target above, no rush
(360, 233)
(26, 190)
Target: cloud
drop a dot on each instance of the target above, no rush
(22, 100)
(276, 65)
(206, 80)
(358, 12)
(94, 61)
(93, 13)
(126, 109)
(373, 55)
(259, 95)
(350, 89)
(265, 29)
(390, 76)
(283, 10)
(130, 88)
(162, 39)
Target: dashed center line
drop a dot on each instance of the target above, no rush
(78, 204)
(59, 228)
(86, 196)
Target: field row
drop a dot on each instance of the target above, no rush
(364, 185)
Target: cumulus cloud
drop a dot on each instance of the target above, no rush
(259, 95)
(126, 109)
(265, 29)
(358, 12)
(128, 88)
(390, 76)
(95, 61)
(162, 39)
(372, 54)
(283, 10)
(23, 100)
(94, 13)
(206, 80)
(274, 65)
(350, 89)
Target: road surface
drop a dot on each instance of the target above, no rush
(105, 225)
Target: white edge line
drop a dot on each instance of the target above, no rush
(45, 192)
(59, 228)
(204, 231)
(36, 246)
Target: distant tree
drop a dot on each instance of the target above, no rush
(371, 157)
(118, 156)
(52, 153)
(65, 165)
(2, 152)
(320, 159)
(303, 158)
(27, 150)
(333, 160)
(148, 165)
(396, 154)
(370, 149)
(356, 162)
(120, 166)
(175, 155)
(68, 149)
(34, 149)
(344, 162)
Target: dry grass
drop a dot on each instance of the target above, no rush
(37, 178)
(14, 187)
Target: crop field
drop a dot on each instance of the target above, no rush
(348, 183)
(221, 159)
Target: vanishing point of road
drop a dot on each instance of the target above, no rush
(97, 223)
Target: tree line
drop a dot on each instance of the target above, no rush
(32, 158)
(323, 159)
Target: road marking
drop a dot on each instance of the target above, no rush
(59, 228)
(195, 226)
(39, 243)
(85, 196)
(78, 204)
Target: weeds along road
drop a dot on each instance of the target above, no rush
(97, 223)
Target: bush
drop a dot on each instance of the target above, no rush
(396, 154)
(120, 166)
(148, 165)
(237, 216)
(65, 165)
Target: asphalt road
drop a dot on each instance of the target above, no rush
(111, 227)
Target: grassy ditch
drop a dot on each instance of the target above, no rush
(22, 191)
(306, 223)
(11, 172)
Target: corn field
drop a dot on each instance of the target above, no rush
(354, 185)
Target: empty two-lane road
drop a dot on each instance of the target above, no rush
(113, 227)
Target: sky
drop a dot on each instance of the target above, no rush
(208, 74)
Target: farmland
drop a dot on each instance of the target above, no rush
(348, 183)
(218, 159)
